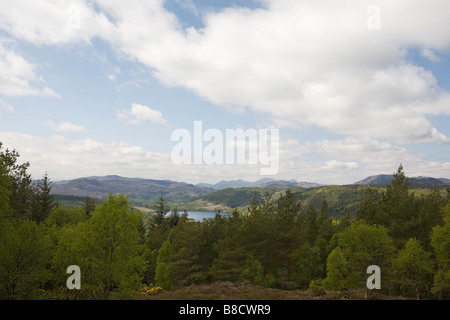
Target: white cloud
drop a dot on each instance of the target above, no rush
(300, 63)
(140, 113)
(52, 22)
(18, 77)
(88, 157)
(65, 126)
(335, 164)
(343, 161)
(352, 159)
(430, 54)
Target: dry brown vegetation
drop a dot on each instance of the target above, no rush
(247, 291)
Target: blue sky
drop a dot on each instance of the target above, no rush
(96, 87)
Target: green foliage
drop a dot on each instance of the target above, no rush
(324, 222)
(413, 269)
(88, 206)
(231, 252)
(440, 240)
(337, 197)
(252, 271)
(316, 287)
(25, 250)
(107, 249)
(237, 197)
(5, 183)
(61, 217)
(163, 273)
(344, 222)
(20, 187)
(178, 263)
(398, 211)
(278, 240)
(309, 226)
(43, 202)
(309, 265)
(337, 270)
(369, 206)
(359, 246)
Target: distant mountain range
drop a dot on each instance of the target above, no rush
(415, 182)
(262, 183)
(98, 187)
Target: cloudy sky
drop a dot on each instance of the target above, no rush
(355, 87)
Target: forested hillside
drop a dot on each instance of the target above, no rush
(278, 242)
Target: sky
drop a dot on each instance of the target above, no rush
(352, 87)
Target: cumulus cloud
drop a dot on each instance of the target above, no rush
(335, 164)
(18, 76)
(300, 63)
(140, 113)
(65, 126)
(353, 158)
(341, 161)
(57, 22)
(89, 157)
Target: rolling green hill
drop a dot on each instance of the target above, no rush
(228, 199)
(144, 193)
(337, 197)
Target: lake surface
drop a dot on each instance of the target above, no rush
(200, 215)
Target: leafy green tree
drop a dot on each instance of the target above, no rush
(440, 240)
(163, 271)
(309, 265)
(338, 271)
(413, 269)
(61, 217)
(25, 251)
(20, 184)
(253, 271)
(430, 215)
(359, 246)
(107, 249)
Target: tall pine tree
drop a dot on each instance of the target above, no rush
(43, 202)
(324, 222)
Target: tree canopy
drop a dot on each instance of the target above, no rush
(281, 243)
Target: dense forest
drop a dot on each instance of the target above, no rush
(277, 243)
